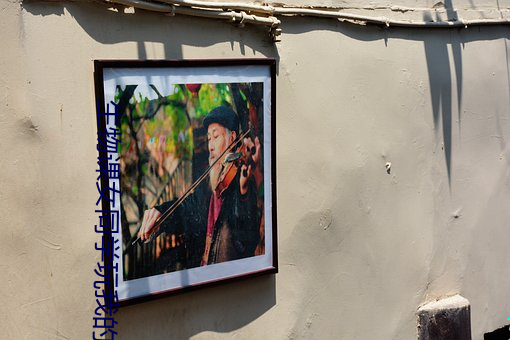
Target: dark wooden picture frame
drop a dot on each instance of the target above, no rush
(157, 122)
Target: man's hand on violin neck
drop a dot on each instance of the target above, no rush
(149, 218)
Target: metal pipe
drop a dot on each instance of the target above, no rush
(222, 5)
(266, 15)
(238, 17)
(287, 11)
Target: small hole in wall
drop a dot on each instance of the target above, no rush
(502, 333)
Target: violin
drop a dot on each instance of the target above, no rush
(231, 165)
(233, 161)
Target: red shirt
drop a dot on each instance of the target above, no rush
(214, 212)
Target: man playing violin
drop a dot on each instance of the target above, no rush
(223, 225)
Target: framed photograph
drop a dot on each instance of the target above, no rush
(187, 171)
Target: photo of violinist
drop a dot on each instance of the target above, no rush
(191, 176)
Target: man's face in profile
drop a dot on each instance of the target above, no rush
(218, 139)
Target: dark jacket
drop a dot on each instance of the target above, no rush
(236, 231)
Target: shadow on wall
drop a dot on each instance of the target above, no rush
(224, 308)
(441, 92)
(443, 54)
(111, 25)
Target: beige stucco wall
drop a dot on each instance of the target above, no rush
(359, 249)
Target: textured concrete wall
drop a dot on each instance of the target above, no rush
(359, 248)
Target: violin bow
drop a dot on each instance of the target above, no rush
(169, 211)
